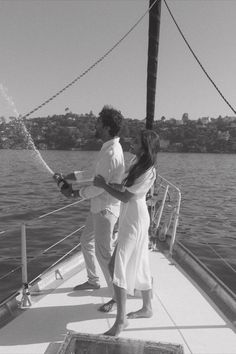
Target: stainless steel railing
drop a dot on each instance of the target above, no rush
(166, 196)
(162, 194)
(25, 301)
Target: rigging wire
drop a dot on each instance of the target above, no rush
(86, 71)
(11, 272)
(93, 65)
(198, 61)
(221, 258)
(42, 253)
(4, 233)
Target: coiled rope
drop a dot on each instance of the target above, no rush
(93, 65)
(198, 61)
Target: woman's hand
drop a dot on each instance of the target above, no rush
(99, 181)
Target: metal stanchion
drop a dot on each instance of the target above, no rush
(25, 300)
(175, 224)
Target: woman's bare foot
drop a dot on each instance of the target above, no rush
(142, 313)
(115, 330)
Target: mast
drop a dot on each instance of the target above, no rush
(153, 44)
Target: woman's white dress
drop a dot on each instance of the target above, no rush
(131, 269)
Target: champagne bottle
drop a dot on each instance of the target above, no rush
(61, 182)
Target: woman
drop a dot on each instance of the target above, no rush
(131, 264)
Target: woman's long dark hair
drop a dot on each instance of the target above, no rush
(151, 146)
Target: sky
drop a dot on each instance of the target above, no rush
(45, 44)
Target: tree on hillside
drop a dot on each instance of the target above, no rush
(185, 118)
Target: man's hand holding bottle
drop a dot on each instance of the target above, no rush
(65, 187)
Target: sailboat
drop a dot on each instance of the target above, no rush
(194, 312)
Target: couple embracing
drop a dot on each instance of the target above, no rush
(116, 194)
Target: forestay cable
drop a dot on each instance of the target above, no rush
(93, 65)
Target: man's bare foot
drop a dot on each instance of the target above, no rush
(115, 330)
(108, 306)
(140, 314)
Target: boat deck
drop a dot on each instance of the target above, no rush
(183, 314)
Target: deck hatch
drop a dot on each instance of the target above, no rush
(80, 343)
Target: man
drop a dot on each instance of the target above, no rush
(97, 236)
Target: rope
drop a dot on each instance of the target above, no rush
(93, 65)
(198, 61)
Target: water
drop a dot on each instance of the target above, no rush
(19, 121)
(207, 215)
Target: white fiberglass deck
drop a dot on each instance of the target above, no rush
(182, 315)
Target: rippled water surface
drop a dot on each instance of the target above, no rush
(207, 217)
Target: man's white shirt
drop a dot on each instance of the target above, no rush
(110, 164)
